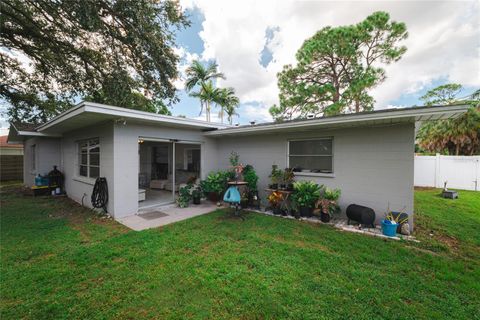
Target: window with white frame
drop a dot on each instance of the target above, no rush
(311, 155)
(33, 154)
(89, 158)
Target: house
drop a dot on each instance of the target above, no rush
(145, 157)
(11, 159)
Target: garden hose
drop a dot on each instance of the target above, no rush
(100, 194)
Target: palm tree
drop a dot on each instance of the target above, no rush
(207, 94)
(228, 103)
(231, 111)
(199, 75)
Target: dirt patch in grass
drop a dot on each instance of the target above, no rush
(451, 242)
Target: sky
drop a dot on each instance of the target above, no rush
(252, 40)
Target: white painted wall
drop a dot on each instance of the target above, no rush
(460, 172)
(373, 166)
(127, 160)
(78, 187)
(47, 155)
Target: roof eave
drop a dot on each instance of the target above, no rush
(129, 114)
(415, 114)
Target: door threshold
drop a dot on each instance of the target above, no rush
(155, 205)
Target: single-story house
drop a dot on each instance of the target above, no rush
(145, 156)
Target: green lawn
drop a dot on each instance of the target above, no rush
(59, 261)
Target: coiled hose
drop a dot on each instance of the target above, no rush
(100, 194)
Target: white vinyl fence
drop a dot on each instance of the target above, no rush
(460, 172)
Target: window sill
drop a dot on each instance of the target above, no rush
(315, 174)
(85, 180)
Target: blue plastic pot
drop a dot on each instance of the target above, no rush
(389, 229)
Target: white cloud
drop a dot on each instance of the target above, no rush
(443, 42)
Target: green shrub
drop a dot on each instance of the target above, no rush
(251, 177)
(216, 182)
(306, 193)
(184, 196)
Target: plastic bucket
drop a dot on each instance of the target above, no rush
(388, 229)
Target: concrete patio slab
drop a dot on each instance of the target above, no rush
(158, 216)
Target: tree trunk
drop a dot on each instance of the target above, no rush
(207, 111)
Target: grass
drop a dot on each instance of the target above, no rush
(60, 261)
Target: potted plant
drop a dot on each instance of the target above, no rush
(328, 204)
(276, 176)
(275, 199)
(184, 196)
(236, 166)
(391, 222)
(305, 195)
(244, 200)
(288, 177)
(251, 178)
(214, 185)
(196, 194)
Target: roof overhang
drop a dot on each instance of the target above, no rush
(89, 113)
(16, 136)
(374, 118)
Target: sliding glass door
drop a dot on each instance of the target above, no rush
(164, 167)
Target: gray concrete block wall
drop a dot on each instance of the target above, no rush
(80, 188)
(127, 158)
(373, 166)
(47, 155)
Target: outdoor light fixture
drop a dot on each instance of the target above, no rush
(140, 141)
(121, 121)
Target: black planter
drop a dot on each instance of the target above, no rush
(325, 217)
(244, 204)
(306, 211)
(213, 196)
(196, 200)
(273, 186)
(283, 186)
(290, 187)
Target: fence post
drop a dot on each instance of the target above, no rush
(437, 171)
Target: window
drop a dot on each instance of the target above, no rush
(314, 155)
(33, 152)
(89, 158)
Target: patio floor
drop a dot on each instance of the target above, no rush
(154, 217)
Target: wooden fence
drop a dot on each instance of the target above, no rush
(11, 167)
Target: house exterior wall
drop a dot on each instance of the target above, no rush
(373, 166)
(78, 187)
(126, 155)
(47, 155)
